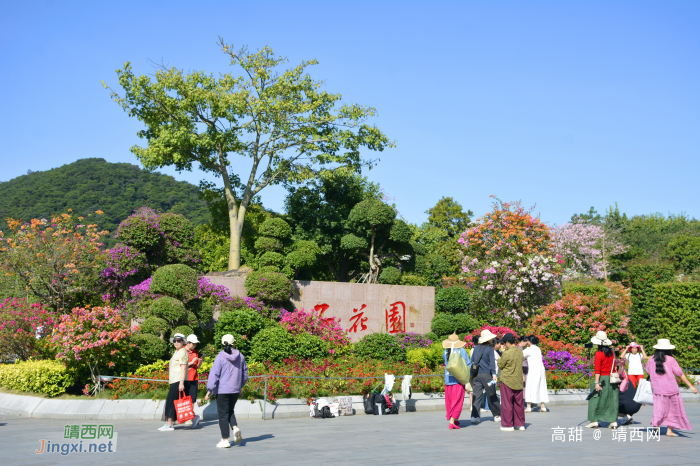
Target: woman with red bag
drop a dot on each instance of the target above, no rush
(177, 377)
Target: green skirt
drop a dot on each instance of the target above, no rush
(604, 406)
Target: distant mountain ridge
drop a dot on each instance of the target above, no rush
(87, 185)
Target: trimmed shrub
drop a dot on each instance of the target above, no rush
(243, 324)
(585, 289)
(380, 346)
(271, 259)
(307, 346)
(272, 344)
(677, 309)
(184, 329)
(271, 287)
(177, 280)
(275, 228)
(169, 309)
(203, 309)
(267, 244)
(155, 326)
(389, 276)
(642, 280)
(444, 324)
(151, 348)
(412, 280)
(427, 357)
(48, 377)
(452, 300)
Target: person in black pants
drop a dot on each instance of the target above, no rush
(484, 356)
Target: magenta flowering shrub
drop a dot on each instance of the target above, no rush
(328, 329)
(564, 361)
(20, 325)
(412, 340)
(124, 264)
(206, 289)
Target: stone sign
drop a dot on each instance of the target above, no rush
(361, 308)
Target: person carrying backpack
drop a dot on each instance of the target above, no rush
(454, 390)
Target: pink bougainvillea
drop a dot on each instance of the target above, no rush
(20, 325)
(328, 329)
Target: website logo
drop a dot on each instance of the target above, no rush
(82, 438)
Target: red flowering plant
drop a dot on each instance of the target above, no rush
(92, 336)
(575, 318)
(328, 329)
(21, 326)
(498, 331)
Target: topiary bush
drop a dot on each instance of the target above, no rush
(389, 276)
(275, 228)
(272, 344)
(151, 347)
(452, 300)
(445, 324)
(183, 329)
(380, 346)
(155, 326)
(677, 308)
(412, 280)
(243, 324)
(305, 346)
(177, 280)
(271, 287)
(271, 259)
(50, 378)
(169, 309)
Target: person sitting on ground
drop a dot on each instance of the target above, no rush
(668, 404)
(227, 376)
(536, 390)
(512, 405)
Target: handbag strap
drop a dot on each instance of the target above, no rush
(612, 368)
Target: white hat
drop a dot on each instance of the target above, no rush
(601, 338)
(192, 338)
(486, 335)
(228, 338)
(664, 343)
(177, 335)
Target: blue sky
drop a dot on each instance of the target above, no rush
(562, 104)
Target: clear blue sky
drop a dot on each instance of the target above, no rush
(562, 104)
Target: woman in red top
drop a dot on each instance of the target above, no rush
(193, 365)
(603, 406)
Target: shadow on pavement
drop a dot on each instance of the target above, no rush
(256, 439)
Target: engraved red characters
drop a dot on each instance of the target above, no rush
(395, 319)
(358, 318)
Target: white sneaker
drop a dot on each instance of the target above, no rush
(507, 429)
(166, 428)
(497, 419)
(519, 427)
(476, 420)
(195, 421)
(223, 444)
(237, 437)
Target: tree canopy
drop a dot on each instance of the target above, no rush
(283, 122)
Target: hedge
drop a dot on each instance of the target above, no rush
(642, 280)
(452, 300)
(48, 377)
(677, 307)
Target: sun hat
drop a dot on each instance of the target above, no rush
(228, 338)
(486, 335)
(192, 338)
(664, 343)
(601, 338)
(453, 342)
(635, 345)
(177, 335)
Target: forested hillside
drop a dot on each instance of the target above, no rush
(94, 184)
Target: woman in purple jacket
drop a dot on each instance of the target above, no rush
(227, 377)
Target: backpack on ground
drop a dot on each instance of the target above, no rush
(368, 401)
(326, 412)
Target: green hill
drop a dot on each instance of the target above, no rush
(88, 185)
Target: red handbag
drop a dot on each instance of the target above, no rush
(184, 409)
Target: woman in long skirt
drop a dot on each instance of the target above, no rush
(603, 406)
(454, 391)
(668, 404)
(536, 388)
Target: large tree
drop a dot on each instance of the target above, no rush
(282, 122)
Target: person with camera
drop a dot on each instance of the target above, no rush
(603, 404)
(635, 370)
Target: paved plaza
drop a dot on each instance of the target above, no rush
(405, 439)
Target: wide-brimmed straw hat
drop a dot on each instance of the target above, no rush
(664, 343)
(453, 342)
(486, 335)
(601, 338)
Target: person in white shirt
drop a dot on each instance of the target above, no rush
(635, 370)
